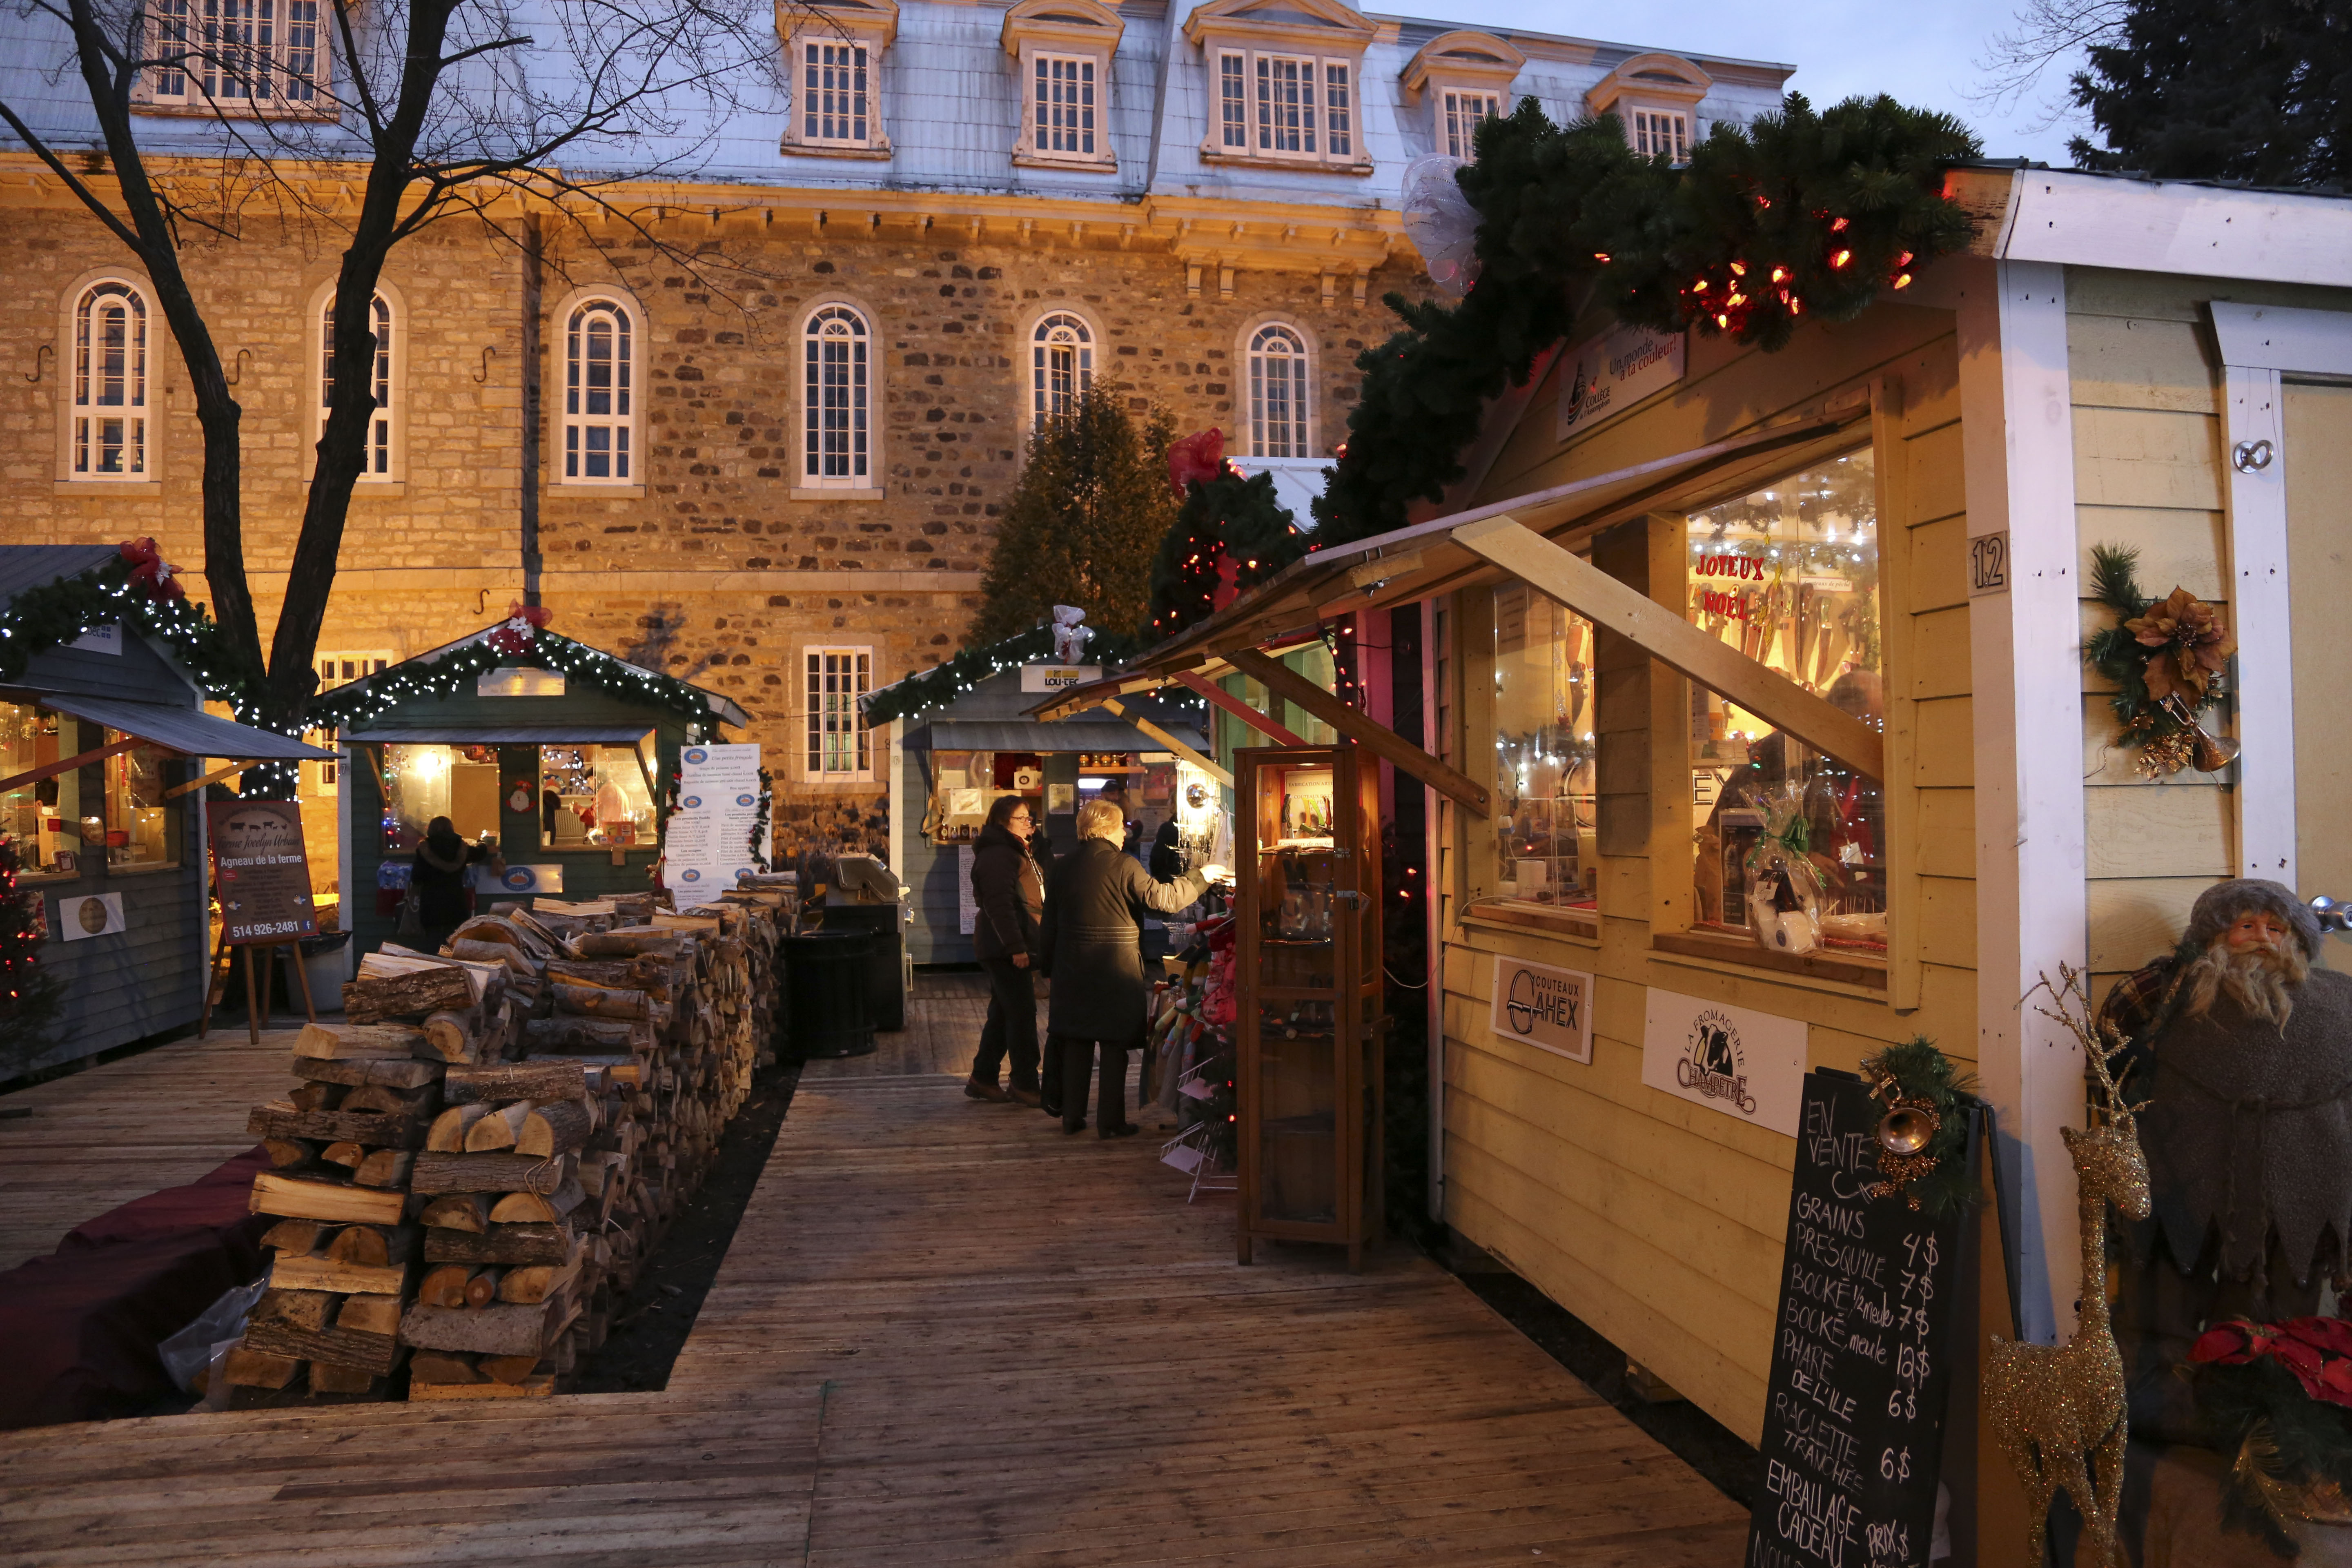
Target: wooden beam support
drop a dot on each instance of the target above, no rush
(1673, 641)
(1361, 727)
(51, 769)
(1218, 696)
(1207, 764)
(177, 791)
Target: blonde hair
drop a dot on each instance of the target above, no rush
(1102, 819)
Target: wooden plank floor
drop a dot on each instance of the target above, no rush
(944, 1334)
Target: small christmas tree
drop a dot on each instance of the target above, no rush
(30, 997)
(1230, 535)
(1083, 517)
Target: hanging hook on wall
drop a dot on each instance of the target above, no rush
(50, 349)
(236, 365)
(487, 353)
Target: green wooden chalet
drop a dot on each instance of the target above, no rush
(560, 754)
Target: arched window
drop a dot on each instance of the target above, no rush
(378, 463)
(836, 407)
(1061, 364)
(107, 437)
(599, 393)
(1278, 393)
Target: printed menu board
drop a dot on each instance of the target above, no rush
(1854, 1413)
(708, 840)
(261, 874)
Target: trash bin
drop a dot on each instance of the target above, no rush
(824, 995)
(327, 961)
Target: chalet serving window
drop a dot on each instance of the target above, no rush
(839, 744)
(600, 380)
(1543, 753)
(836, 401)
(378, 455)
(592, 797)
(107, 417)
(1790, 575)
(140, 824)
(1061, 364)
(238, 57)
(45, 818)
(1280, 425)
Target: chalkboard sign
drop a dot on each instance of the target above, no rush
(1853, 1414)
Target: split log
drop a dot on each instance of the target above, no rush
(353, 1042)
(402, 1072)
(443, 1368)
(509, 956)
(346, 1154)
(439, 1172)
(538, 1208)
(258, 1369)
(383, 1168)
(281, 1119)
(496, 1330)
(508, 1369)
(376, 1247)
(496, 1129)
(483, 1287)
(326, 1377)
(414, 995)
(557, 1129)
(384, 1099)
(288, 1153)
(464, 1212)
(577, 1035)
(298, 1236)
(315, 1097)
(448, 1133)
(453, 1036)
(307, 1309)
(444, 1285)
(296, 1198)
(599, 1002)
(510, 1245)
(370, 1314)
(306, 1334)
(627, 943)
(533, 1081)
(318, 1272)
(537, 1282)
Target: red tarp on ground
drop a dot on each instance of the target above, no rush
(82, 1325)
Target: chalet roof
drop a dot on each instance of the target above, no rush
(23, 566)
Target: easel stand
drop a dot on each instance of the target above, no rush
(257, 989)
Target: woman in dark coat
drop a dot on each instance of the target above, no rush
(1093, 952)
(1010, 895)
(443, 902)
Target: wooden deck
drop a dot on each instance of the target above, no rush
(944, 1334)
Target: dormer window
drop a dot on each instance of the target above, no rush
(1064, 50)
(1656, 98)
(1287, 75)
(1466, 79)
(834, 54)
(237, 58)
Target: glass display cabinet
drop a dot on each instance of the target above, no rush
(1310, 1020)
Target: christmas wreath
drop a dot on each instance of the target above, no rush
(2278, 1396)
(1929, 1097)
(1801, 214)
(2168, 660)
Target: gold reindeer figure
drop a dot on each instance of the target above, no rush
(2059, 1409)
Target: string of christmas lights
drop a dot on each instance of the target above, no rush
(363, 701)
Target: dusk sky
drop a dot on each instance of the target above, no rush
(1924, 55)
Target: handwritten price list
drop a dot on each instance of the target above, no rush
(1853, 1418)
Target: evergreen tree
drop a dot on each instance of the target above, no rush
(2260, 91)
(1090, 507)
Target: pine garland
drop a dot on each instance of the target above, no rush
(1800, 215)
(953, 677)
(53, 614)
(1938, 1183)
(360, 703)
(1230, 535)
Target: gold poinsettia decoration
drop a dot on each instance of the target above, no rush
(2192, 645)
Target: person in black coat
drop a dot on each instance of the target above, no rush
(1093, 951)
(1010, 895)
(443, 902)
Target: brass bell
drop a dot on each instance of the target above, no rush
(2213, 754)
(1906, 1129)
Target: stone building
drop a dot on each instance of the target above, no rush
(823, 374)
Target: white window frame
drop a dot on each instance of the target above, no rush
(1463, 78)
(387, 454)
(1648, 93)
(837, 92)
(1654, 132)
(1459, 112)
(243, 59)
(1058, 44)
(1296, 371)
(576, 424)
(1058, 334)
(1327, 122)
(834, 730)
(866, 30)
(81, 432)
(337, 669)
(832, 323)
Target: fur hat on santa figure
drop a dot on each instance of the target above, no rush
(2219, 907)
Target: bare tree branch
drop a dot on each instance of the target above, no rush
(2046, 33)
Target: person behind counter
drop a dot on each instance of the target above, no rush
(443, 900)
(1009, 894)
(1092, 947)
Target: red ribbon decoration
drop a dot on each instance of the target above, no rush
(1195, 460)
(152, 571)
(522, 620)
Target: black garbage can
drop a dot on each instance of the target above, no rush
(826, 1005)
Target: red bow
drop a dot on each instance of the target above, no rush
(522, 621)
(152, 571)
(1195, 460)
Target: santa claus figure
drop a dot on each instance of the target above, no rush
(2244, 1050)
